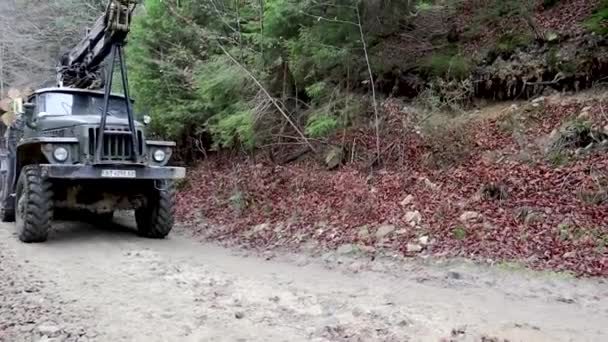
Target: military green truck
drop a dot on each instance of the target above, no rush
(77, 147)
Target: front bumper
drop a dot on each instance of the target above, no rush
(97, 172)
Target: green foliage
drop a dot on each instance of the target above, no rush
(423, 6)
(459, 233)
(236, 127)
(598, 21)
(495, 10)
(509, 41)
(316, 91)
(338, 110)
(557, 64)
(193, 62)
(321, 125)
(158, 58)
(451, 66)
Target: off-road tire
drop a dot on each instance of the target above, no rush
(34, 205)
(155, 219)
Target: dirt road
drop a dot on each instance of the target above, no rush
(91, 284)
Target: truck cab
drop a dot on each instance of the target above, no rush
(64, 154)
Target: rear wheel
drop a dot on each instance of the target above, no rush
(7, 207)
(34, 202)
(155, 219)
(7, 215)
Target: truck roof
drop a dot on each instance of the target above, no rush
(75, 91)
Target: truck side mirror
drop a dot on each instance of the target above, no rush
(28, 113)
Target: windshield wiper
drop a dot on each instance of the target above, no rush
(109, 111)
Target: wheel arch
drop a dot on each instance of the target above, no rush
(27, 154)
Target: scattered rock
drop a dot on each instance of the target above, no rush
(334, 157)
(489, 226)
(469, 216)
(261, 227)
(363, 233)
(57, 339)
(432, 186)
(329, 257)
(268, 255)
(460, 331)
(409, 199)
(454, 275)
(309, 246)
(533, 218)
(367, 249)
(413, 218)
(423, 240)
(49, 329)
(356, 267)
(566, 300)
(414, 248)
(302, 260)
(347, 249)
(538, 100)
(239, 315)
(384, 231)
(569, 255)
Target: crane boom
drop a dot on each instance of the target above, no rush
(81, 67)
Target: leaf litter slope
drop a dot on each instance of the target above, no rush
(542, 220)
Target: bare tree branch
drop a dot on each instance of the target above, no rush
(372, 85)
(249, 74)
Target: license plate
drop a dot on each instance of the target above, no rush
(118, 173)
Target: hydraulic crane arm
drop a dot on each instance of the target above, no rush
(81, 66)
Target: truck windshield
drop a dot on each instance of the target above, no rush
(57, 104)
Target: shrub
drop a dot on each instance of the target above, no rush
(235, 128)
(447, 66)
(509, 41)
(598, 21)
(321, 125)
(459, 233)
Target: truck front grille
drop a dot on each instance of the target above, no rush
(54, 133)
(117, 144)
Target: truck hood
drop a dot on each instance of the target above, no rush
(69, 121)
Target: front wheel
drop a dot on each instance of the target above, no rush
(34, 202)
(155, 218)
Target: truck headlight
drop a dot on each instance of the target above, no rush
(60, 154)
(159, 156)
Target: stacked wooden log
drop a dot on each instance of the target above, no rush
(12, 104)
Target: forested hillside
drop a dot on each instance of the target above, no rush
(247, 74)
(451, 127)
(33, 34)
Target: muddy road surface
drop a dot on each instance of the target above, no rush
(106, 284)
